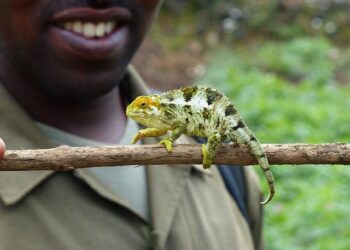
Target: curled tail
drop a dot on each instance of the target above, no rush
(264, 165)
(241, 134)
(260, 155)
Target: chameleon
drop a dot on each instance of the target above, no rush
(197, 111)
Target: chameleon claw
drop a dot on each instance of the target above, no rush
(168, 143)
(206, 159)
(136, 138)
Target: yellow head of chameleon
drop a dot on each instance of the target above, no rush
(144, 109)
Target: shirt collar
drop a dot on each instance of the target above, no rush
(19, 131)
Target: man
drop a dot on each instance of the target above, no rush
(65, 79)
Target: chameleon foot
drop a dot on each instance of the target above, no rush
(207, 161)
(148, 132)
(137, 137)
(168, 143)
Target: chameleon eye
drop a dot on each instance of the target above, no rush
(143, 105)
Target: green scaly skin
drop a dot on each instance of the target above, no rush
(197, 111)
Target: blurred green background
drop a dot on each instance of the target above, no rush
(285, 65)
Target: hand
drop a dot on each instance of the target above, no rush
(2, 148)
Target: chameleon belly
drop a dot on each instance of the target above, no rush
(197, 111)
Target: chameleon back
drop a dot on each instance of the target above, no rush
(201, 109)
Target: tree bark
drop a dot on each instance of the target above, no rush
(66, 158)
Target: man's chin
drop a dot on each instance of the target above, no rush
(78, 85)
(84, 91)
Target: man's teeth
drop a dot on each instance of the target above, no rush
(91, 30)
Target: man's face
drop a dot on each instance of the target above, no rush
(73, 49)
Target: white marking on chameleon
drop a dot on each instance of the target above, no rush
(199, 100)
(154, 110)
(179, 99)
(233, 123)
(243, 134)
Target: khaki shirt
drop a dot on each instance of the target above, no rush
(190, 207)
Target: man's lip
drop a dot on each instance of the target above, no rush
(117, 14)
(89, 49)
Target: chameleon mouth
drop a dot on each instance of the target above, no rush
(134, 114)
(131, 115)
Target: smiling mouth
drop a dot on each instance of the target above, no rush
(91, 33)
(91, 22)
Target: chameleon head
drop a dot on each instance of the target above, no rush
(146, 111)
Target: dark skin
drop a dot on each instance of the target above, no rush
(2, 148)
(57, 80)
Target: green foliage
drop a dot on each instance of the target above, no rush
(303, 58)
(312, 205)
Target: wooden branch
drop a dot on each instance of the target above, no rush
(66, 158)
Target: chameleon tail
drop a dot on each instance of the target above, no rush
(264, 165)
(258, 152)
